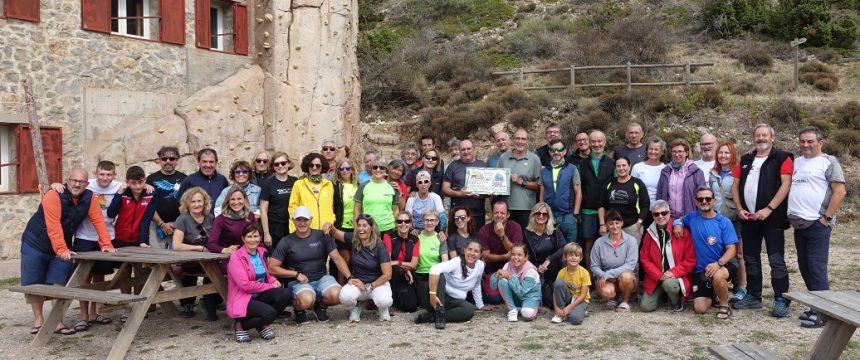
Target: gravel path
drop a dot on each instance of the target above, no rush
(604, 335)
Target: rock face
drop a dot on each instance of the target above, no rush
(120, 99)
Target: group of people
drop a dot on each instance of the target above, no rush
(408, 233)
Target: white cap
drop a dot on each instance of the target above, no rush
(302, 212)
(423, 174)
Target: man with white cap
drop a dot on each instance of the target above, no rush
(302, 256)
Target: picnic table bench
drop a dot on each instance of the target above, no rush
(841, 309)
(152, 267)
(741, 352)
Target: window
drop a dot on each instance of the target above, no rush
(160, 20)
(20, 9)
(17, 163)
(221, 25)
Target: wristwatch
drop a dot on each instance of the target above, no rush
(721, 263)
(827, 218)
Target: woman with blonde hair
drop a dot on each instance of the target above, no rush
(345, 186)
(193, 227)
(545, 244)
(262, 167)
(226, 234)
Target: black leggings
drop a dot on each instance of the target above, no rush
(456, 310)
(264, 309)
(405, 297)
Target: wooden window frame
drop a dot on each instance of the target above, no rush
(96, 15)
(26, 168)
(239, 32)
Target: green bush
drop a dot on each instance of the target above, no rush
(728, 18)
(754, 57)
(813, 20)
(537, 38)
(453, 17)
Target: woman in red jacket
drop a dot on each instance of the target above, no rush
(254, 296)
(667, 261)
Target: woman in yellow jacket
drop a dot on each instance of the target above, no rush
(313, 191)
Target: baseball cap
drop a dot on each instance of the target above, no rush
(301, 212)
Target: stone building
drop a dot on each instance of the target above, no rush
(116, 80)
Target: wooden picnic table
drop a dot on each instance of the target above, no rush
(841, 309)
(151, 266)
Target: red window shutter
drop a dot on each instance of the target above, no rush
(52, 146)
(201, 23)
(240, 28)
(95, 15)
(22, 9)
(172, 21)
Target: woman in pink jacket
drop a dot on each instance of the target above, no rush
(254, 297)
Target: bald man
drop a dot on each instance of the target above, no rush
(633, 149)
(595, 174)
(503, 143)
(707, 144)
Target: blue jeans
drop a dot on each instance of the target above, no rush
(774, 240)
(813, 247)
(567, 225)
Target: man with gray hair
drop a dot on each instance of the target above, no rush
(763, 180)
(818, 188)
(667, 262)
(709, 154)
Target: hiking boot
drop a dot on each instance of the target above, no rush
(425, 317)
(322, 316)
(301, 317)
(187, 311)
(440, 317)
(740, 293)
(748, 302)
(780, 308)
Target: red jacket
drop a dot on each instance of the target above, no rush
(682, 259)
(133, 217)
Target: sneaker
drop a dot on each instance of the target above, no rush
(780, 308)
(301, 317)
(384, 315)
(556, 319)
(322, 316)
(425, 317)
(242, 336)
(679, 307)
(187, 311)
(267, 333)
(738, 296)
(440, 317)
(748, 302)
(512, 315)
(355, 313)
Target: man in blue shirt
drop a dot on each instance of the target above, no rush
(715, 242)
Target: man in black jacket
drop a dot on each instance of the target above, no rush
(595, 172)
(760, 191)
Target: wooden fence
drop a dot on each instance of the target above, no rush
(573, 70)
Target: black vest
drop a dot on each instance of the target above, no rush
(768, 184)
(36, 232)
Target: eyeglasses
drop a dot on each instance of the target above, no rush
(704, 199)
(377, 167)
(261, 161)
(241, 172)
(315, 166)
(460, 218)
(345, 168)
(329, 148)
(420, 182)
(431, 158)
(659, 213)
(556, 150)
(168, 158)
(403, 221)
(541, 214)
(429, 220)
(280, 163)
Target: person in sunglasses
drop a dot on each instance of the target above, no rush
(715, 244)
(166, 183)
(425, 200)
(545, 244)
(561, 188)
(667, 262)
(329, 153)
(193, 227)
(461, 229)
(240, 174)
(431, 163)
(345, 186)
(378, 197)
(275, 200)
(262, 167)
(313, 191)
(404, 248)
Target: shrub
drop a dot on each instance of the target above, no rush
(743, 87)
(597, 119)
(819, 75)
(728, 18)
(710, 97)
(754, 57)
(848, 115)
(522, 118)
(812, 19)
(846, 139)
(828, 56)
(537, 38)
(456, 16)
(825, 84)
(512, 98)
(784, 111)
(636, 38)
(822, 123)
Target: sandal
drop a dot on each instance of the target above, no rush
(724, 313)
(611, 304)
(64, 331)
(101, 320)
(35, 330)
(82, 325)
(623, 308)
(812, 322)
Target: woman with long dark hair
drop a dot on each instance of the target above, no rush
(371, 271)
(313, 191)
(461, 229)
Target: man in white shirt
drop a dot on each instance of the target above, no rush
(817, 191)
(707, 143)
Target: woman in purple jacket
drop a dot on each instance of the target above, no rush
(679, 180)
(236, 213)
(254, 296)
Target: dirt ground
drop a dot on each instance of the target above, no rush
(604, 335)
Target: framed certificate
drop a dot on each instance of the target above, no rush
(485, 181)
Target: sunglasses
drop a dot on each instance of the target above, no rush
(329, 148)
(460, 218)
(659, 213)
(431, 158)
(556, 150)
(261, 161)
(169, 158)
(364, 217)
(377, 167)
(541, 214)
(280, 163)
(241, 171)
(420, 182)
(704, 199)
(403, 221)
(345, 168)
(315, 166)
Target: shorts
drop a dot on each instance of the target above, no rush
(100, 267)
(38, 267)
(319, 286)
(702, 286)
(590, 227)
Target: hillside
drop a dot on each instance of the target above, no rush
(427, 68)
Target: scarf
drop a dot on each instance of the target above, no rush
(230, 214)
(316, 179)
(509, 267)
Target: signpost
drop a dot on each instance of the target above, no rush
(796, 45)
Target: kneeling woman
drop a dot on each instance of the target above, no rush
(519, 283)
(613, 261)
(371, 270)
(449, 282)
(254, 296)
